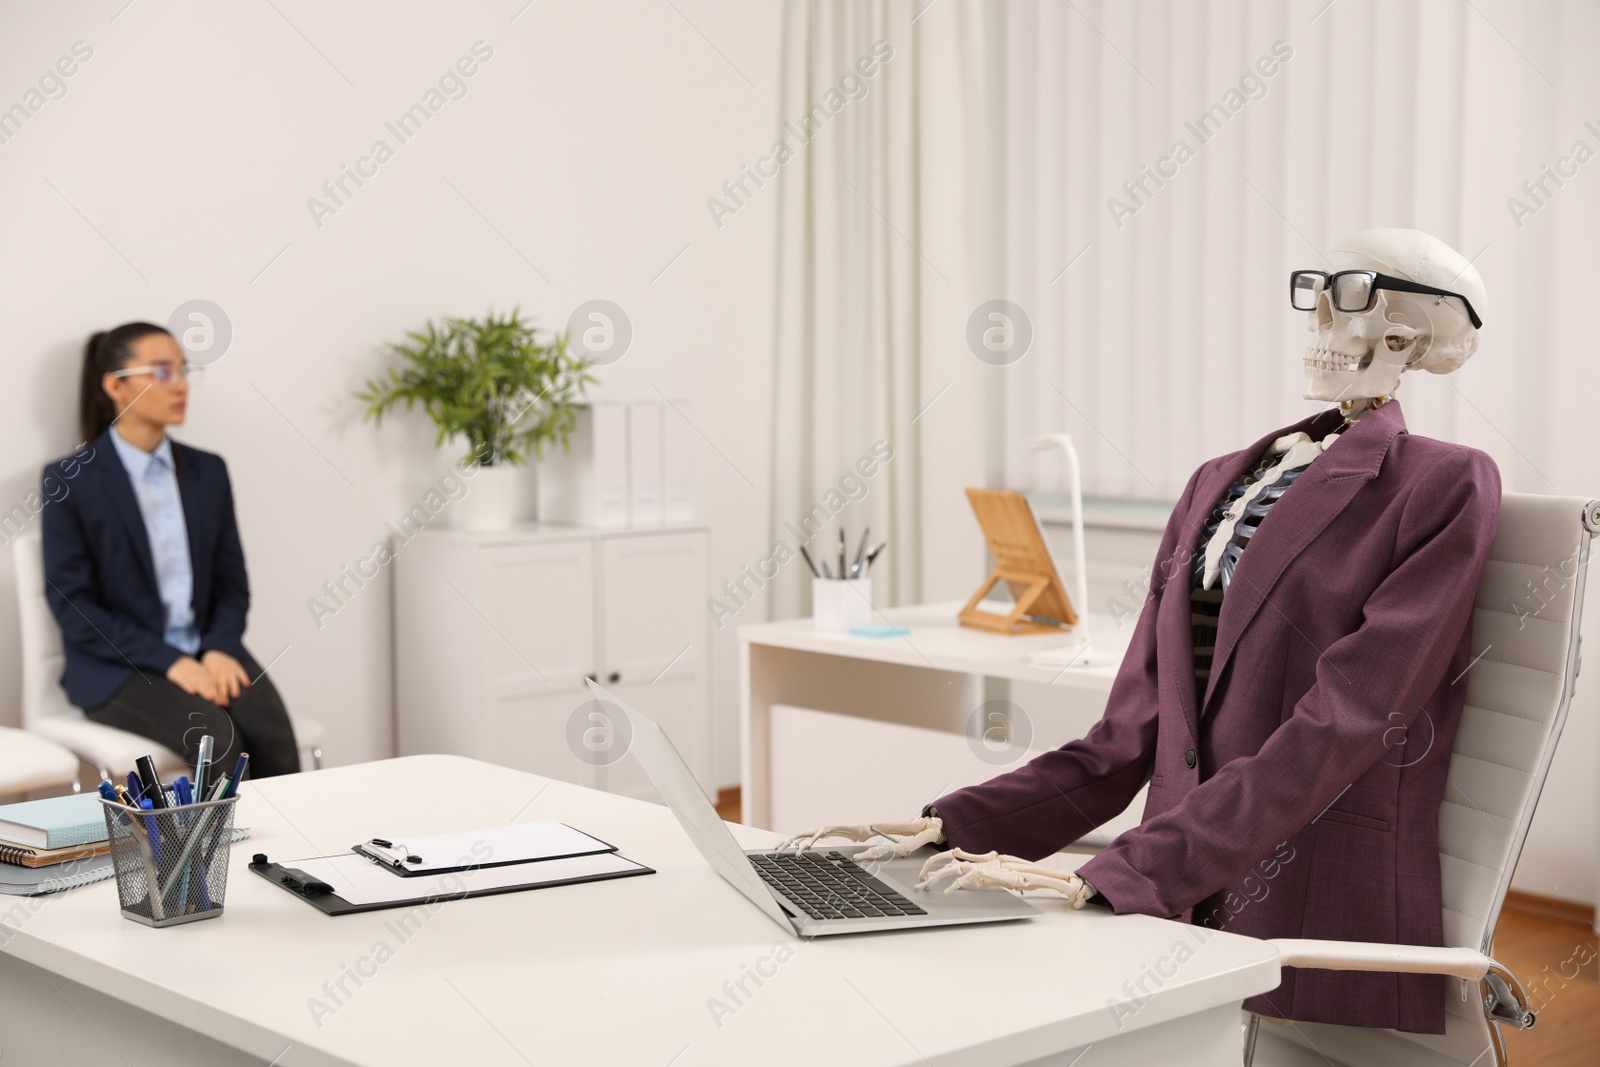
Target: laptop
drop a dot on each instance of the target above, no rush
(823, 890)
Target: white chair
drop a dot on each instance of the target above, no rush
(29, 762)
(1525, 662)
(1525, 649)
(45, 709)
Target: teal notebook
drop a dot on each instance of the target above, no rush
(56, 822)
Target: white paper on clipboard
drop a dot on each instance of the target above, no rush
(520, 843)
(359, 881)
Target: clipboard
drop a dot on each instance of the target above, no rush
(505, 878)
(445, 853)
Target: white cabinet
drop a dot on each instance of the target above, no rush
(495, 632)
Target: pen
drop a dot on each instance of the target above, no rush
(872, 555)
(842, 574)
(219, 787)
(238, 774)
(154, 791)
(153, 832)
(200, 761)
(855, 568)
(181, 790)
(135, 788)
(807, 557)
(825, 572)
(108, 791)
(149, 846)
(126, 797)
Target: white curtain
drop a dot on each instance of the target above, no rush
(1014, 150)
(1168, 338)
(881, 208)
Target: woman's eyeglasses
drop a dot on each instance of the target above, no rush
(162, 373)
(1355, 291)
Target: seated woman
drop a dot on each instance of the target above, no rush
(145, 573)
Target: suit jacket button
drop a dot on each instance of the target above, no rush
(1188, 758)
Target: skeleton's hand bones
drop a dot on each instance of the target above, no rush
(912, 835)
(971, 869)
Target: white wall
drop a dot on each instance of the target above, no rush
(178, 165)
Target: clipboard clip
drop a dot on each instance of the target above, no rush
(395, 855)
(291, 879)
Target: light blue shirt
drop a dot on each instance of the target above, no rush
(155, 486)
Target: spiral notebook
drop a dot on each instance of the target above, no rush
(20, 881)
(26, 856)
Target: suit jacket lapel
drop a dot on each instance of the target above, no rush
(1175, 628)
(1296, 520)
(119, 487)
(192, 515)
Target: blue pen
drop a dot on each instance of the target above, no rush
(107, 791)
(238, 774)
(184, 796)
(135, 787)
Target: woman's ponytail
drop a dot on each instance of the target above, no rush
(106, 351)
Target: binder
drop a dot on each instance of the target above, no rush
(587, 484)
(644, 463)
(335, 885)
(677, 462)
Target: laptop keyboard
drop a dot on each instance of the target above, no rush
(830, 886)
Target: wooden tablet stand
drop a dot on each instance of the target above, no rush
(1022, 561)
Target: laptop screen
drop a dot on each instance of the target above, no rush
(698, 816)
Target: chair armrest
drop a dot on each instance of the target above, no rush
(1504, 999)
(1376, 956)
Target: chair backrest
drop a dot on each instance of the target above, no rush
(1525, 647)
(42, 695)
(1524, 664)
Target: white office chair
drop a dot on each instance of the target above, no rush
(45, 709)
(29, 762)
(1525, 649)
(1525, 662)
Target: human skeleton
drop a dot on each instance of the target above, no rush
(1356, 359)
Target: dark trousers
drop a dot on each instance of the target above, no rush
(255, 721)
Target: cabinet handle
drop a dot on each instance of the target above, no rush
(614, 677)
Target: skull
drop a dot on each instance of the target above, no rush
(1361, 355)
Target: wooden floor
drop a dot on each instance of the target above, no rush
(1551, 948)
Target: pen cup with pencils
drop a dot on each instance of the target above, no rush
(172, 862)
(841, 598)
(839, 605)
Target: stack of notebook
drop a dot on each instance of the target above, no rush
(52, 844)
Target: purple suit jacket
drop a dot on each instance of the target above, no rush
(1302, 798)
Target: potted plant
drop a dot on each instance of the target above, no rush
(497, 385)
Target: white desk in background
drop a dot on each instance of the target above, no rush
(626, 972)
(840, 728)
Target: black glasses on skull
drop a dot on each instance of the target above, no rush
(1354, 291)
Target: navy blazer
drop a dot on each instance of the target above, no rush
(100, 579)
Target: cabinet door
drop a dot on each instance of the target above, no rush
(535, 633)
(655, 643)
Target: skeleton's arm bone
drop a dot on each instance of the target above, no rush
(970, 869)
(905, 837)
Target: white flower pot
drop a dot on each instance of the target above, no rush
(492, 500)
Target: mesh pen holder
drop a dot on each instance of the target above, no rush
(171, 863)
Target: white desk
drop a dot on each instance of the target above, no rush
(620, 972)
(932, 678)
